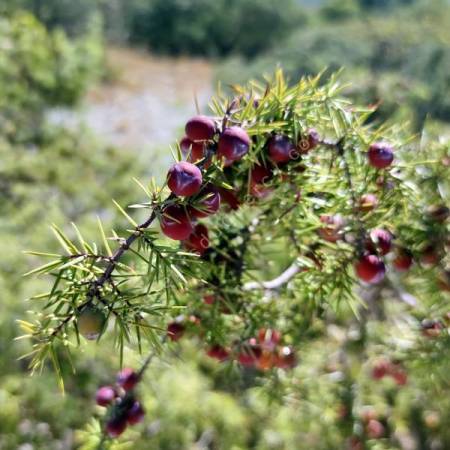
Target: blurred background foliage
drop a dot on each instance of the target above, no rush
(395, 53)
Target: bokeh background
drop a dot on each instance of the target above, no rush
(93, 93)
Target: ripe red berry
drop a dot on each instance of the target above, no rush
(355, 443)
(200, 128)
(195, 150)
(380, 155)
(368, 202)
(380, 369)
(403, 259)
(218, 352)
(116, 426)
(259, 176)
(206, 203)
(375, 429)
(234, 143)
(105, 395)
(368, 413)
(184, 179)
(127, 378)
(332, 230)
(382, 240)
(230, 198)
(313, 138)
(431, 327)
(198, 241)
(175, 331)
(370, 269)
(135, 414)
(285, 358)
(400, 376)
(311, 141)
(282, 149)
(266, 361)
(249, 353)
(209, 299)
(430, 256)
(175, 223)
(269, 338)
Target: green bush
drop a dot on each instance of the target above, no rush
(38, 69)
(214, 28)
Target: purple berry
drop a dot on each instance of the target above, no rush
(380, 155)
(105, 395)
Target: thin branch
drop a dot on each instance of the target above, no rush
(96, 284)
(277, 282)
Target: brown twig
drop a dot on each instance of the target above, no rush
(277, 282)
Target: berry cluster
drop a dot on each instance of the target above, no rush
(376, 244)
(124, 409)
(263, 352)
(202, 143)
(385, 367)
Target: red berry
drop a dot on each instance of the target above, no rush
(381, 369)
(375, 429)
(234, 143)
(368, 413)
(230, 198)
(311, 141)
(175, 331)
(218, 352)
(209, 299)
(368, 202)
(250, 353)
(105, 395)
(184, 179)
(195, 150)
(200, 128)
(380, 155)
(259, 176)
(269, 339)
(282, 149)
(370, 269)
(382, 240)
(430, 256)
(332, 230)
(127, 378)
(313, 138)
(355, 443)
(206, 203)
(266, 361)
(286, 358)
(135, 414)
(175, 223)
(403, 260)
(198, 241)
(431, 327)
(116, 426)
(399, 376)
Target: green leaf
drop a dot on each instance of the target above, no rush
(125, 214)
